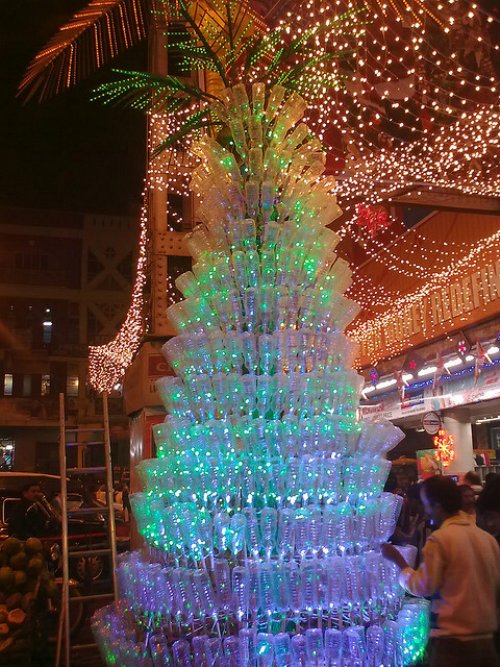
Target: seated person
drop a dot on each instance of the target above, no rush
(31, 516)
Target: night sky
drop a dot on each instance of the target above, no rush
(67, 153)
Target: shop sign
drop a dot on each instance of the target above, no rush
(431, 422)
(454, 305)
(461, 391)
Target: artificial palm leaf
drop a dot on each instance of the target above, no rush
(218, 36)
(197, 122)
(151, 92)
(93, 36)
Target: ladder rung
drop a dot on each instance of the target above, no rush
(82, 647)
(85, 471)
(84, 444)
(88, 510)
(85, 429)
(89, 598)
(89, 552)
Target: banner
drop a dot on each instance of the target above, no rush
(435, 312)
(455, 392)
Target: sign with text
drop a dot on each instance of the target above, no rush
(462, 302)
(457, 392)
(431, 422)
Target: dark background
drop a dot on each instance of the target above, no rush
(67, 153)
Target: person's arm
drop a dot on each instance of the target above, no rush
(427, 579)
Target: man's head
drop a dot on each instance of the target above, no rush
(488, 506)
(31, 492)
(490, 477)
(472, 478)
(468, 498)
(441, 498)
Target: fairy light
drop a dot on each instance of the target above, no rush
(171, 169)
(106, 27)
(381, 37)
(108, 363)
(369, 333)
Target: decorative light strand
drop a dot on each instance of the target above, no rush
(108, 363)
(364, 332)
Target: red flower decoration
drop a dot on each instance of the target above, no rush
(373, 218)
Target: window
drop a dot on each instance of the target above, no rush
(72, 383)
(7, 449)
(47, 330)
(94, 266)
(8, 381)
(26, 385)
(45, 386)
(31, 262)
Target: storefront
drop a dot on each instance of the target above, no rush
(436, 347)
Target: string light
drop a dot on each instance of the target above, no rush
(108, 363)
(368, 334)
(105, 27)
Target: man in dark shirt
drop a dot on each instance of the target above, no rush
(30, 516)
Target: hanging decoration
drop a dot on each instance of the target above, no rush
(463, 348)
(372, 217)
(444, 443)
(374, 376)
(481, 358)
(440, 369)
(401, 384)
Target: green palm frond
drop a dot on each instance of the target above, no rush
(215, 35)
(151, 92)
(220, 36)
(175, 139)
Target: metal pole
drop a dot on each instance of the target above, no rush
(109, 476)
(64, 525)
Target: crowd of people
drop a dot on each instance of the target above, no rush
(456, 532)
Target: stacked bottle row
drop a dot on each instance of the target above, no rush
(295, 351)
(263, 310)
(327, 435)
(394, 643)
(277, 255)
(185, 530)
(201, 397)
(301, 480)
(349, 589)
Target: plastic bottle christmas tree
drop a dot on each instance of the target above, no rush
(264, 511)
